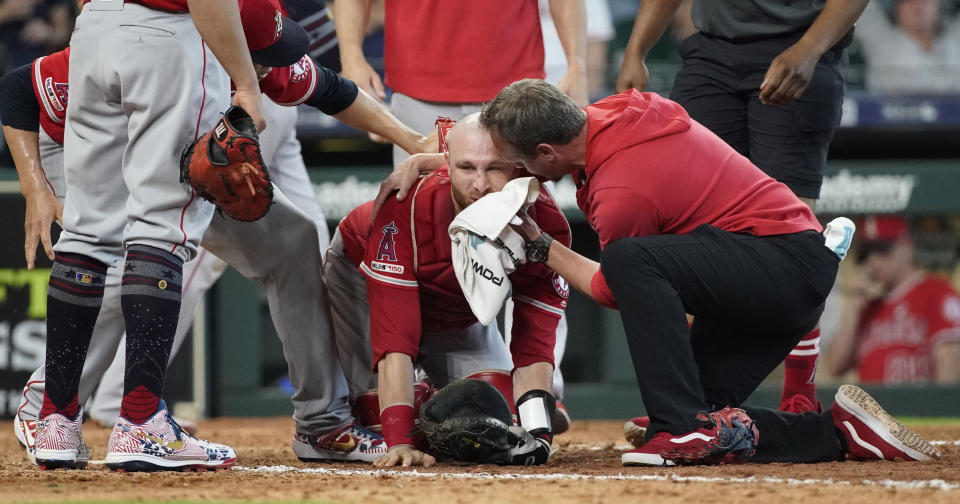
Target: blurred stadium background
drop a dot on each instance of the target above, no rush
(894, 153)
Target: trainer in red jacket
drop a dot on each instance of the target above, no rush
(688, 225)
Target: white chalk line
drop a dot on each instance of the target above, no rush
(627, 447)
(934, 484)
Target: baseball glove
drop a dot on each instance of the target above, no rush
(226, 168)
(468, 421)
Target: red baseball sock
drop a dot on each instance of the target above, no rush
(139, 405)
(800, 367)
(70, 410)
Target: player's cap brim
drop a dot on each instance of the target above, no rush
(287, 50)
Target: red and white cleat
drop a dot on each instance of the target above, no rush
(635, 429)
(350, 443)
(871, 433)
(729, 437)
(57, 442)
(160, 444)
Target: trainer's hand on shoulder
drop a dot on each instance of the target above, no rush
(364, 76)
(633, 74)
(43, 208)
(249, 99)
(405, 456)
(404, 177)
(789, 74)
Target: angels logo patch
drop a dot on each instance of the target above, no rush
(387, 251)
(561, 286)
(62, 91)
(300, 70)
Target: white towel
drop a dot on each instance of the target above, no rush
(838, 235)
(486, 249)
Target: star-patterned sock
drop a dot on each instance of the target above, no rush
(150, 298)
(74, 296)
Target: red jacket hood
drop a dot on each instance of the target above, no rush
(629, 118)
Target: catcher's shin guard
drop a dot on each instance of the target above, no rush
(502, 381)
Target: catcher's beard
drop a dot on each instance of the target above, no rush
(460, 200)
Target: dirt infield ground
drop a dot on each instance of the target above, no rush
(586, 469)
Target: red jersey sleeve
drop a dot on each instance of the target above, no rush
(600, 291)
(620, 213)
(943, 317)
(292, 85)
(50, 84)
(539, 294)
(392, 288)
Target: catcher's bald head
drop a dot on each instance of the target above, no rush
(466, 129)
(476, 166)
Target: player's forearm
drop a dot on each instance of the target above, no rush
(395, 379)
(425, 162)
(577, 270)
(652, 20)
(350, 18)
(570, 19)
(367, 114)
(536, 376)
(25, 149)
(834, 21)
(218, 22)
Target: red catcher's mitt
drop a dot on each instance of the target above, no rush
(226, 168)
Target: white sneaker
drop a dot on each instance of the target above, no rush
(54, 442)
(160, 444)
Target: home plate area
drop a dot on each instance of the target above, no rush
(586, 468)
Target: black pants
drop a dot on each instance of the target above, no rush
(753, 298)
(719, 84)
